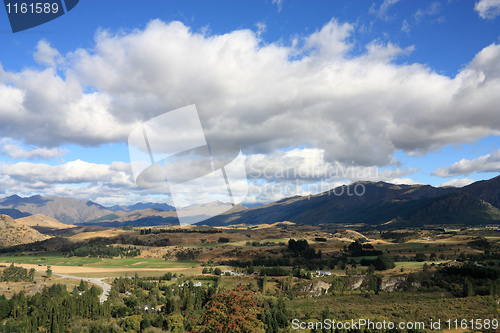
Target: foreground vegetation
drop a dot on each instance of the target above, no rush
(261, 284)
(233, 304)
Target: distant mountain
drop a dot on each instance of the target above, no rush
(140, 206)
(457, 208)
(14, 213)
(14, 233)
(487, 190)
(380, 203)
(65, 210)
(362, 202)
(154, 217)
(252, 205)
(204, 211)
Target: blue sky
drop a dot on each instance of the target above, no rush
(406, 87)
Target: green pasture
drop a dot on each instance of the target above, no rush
(416, 247)
(55, 259)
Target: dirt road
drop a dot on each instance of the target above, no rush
(106, 288)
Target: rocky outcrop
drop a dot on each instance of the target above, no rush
(316, 288)
(390, 284)
(355, 282)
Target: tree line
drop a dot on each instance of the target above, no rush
(104, 251)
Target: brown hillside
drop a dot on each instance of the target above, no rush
(14, 233)
(349, 235)
(39, 220)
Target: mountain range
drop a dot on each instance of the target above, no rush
(65, 210)
(141, 205)
(381, 203)
(370, 203)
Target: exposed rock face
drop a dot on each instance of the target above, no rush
(355, 282)
(391, 283)
(387, 284)
(316, 288)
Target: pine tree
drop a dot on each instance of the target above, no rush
(31, 274)
(49, 271)
(468, 290)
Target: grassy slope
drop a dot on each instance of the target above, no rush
(400, 306)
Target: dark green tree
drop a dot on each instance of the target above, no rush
(468, 289)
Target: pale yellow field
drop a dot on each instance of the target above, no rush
(78, 270)
(102, 233)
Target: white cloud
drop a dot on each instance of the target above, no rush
(488, 9)
(431, 10)
(14, 150)
(381, 11)
(271, 177)
(357, 109)
(486, 163)
(47, 55)
(261, 28)
(457, 182)
(303, 172)
(73, 172)
(105, 184)
(279, 4)
(405, 27)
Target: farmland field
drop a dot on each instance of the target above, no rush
(99, 267)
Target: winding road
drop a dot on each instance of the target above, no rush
(106, 288)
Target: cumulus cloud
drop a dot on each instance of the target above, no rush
(15, 151)
(102, 183)
(357, 109)
(73, 172)
(459, 182)
(270, 177)
(486, 163)
(488, 9)
(303, 172)
(47, 55)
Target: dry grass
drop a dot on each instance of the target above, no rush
(102, 233)
(43, 221)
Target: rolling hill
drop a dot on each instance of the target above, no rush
(143, 217)
(42, 221)
(14, 233)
